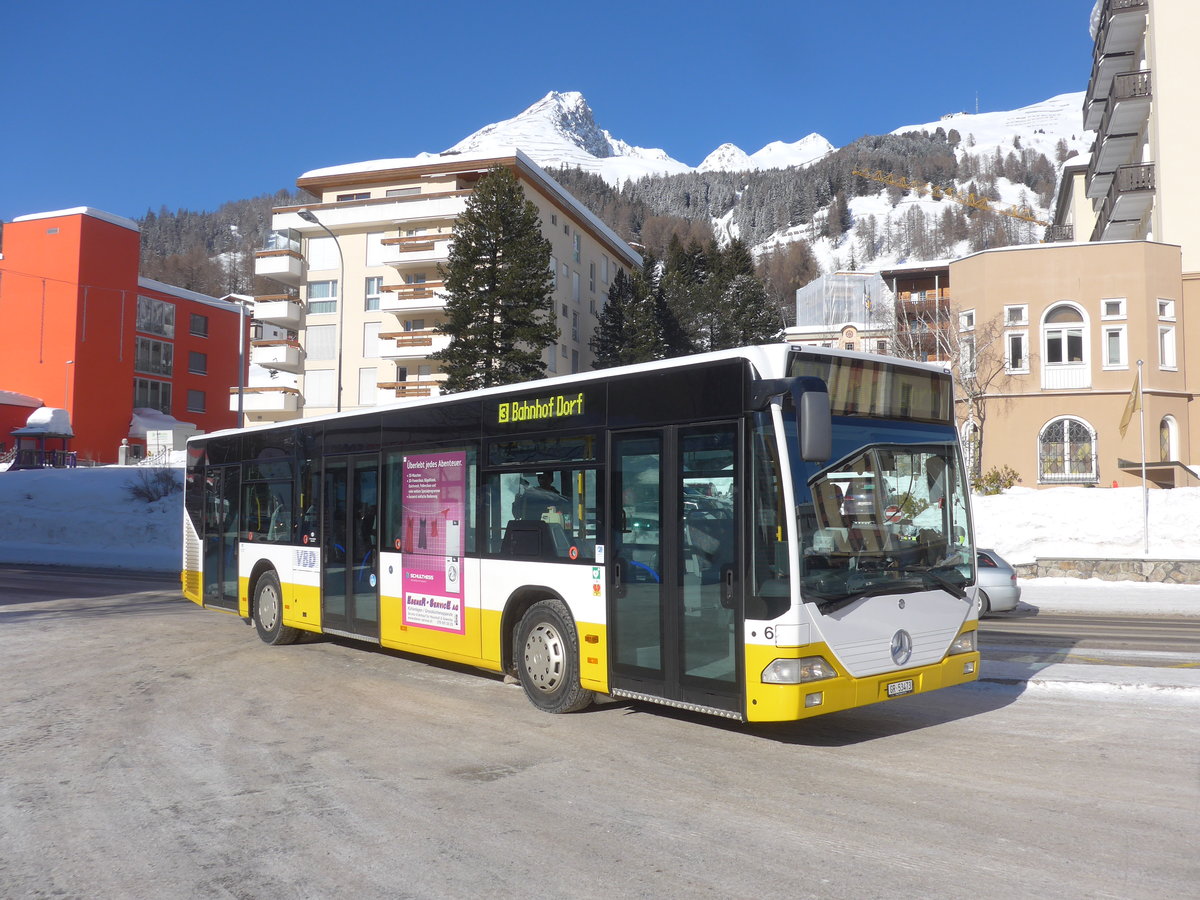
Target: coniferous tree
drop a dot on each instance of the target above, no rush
(499, 307)
(613, 343)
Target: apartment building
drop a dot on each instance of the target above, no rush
(1140, 101)
(84, 332)
(361, 294)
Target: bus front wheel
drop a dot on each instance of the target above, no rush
(268, 611)
(548, 658)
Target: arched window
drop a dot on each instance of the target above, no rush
(1168, 439)
(1067, 452)
(1064, 348)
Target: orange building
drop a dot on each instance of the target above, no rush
(80, 330)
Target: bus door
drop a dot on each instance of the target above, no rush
(221, 488)
(674, 576)
(349, 551)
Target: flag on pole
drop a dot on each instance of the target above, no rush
(1133, 404)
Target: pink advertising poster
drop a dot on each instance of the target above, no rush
(434, 505)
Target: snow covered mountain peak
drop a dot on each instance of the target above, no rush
(558, 118)
(726, 158)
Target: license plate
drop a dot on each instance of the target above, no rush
(900, 688)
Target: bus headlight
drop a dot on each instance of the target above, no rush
(798, 671)
(964, 643)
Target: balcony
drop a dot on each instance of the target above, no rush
(1128, 105)
(285, 266)
(1109, 153)
(281, 258)
(1059, 234)
(283, 310)
(1104, 69)
(416, 250)
(1122, 26)
(406, 390)
(1066, 377)
(267, 402)
(412, 344)
(382, 212)
(1128, 200)
(284, 355)
(407, 299)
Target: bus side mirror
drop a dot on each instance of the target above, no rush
(814, 419)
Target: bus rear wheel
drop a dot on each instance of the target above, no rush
(268, 612)
(548, 658)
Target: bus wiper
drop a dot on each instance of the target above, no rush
(831, 602)
(952, 588)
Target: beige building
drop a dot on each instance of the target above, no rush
(361, 295)
(1050, 337)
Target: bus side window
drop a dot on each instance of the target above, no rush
(565, 500)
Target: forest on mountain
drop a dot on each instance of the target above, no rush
(756, 205)
(210, 252)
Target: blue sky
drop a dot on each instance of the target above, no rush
(131, 105)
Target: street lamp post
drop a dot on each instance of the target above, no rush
(241, 362)
(308, 216)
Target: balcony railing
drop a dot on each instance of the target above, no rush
(283, 310)
(283, 354)
(407, 389)
(282, 240)
(1129, 196)
(1066, 377)
(266, 400)
(1128, 104)
(1059, 233)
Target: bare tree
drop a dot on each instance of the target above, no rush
(928, 328)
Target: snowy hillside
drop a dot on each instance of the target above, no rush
(1038, 128)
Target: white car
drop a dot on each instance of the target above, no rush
(996, 589)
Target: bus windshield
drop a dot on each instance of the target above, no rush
(887, 516)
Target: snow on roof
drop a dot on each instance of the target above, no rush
(83, 211)
(475, 159)
(145, 419)
(48, 421)
(185, 294)
(13, 398)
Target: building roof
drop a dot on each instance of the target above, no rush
(185, 294)
(382, 170)
(14, 398)
(83, 211)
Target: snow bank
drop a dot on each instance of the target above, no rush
(1078, 522)
(86, 517)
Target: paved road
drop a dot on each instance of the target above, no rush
(153, 749)
(1162, 641)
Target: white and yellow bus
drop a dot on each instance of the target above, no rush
(764, 534)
